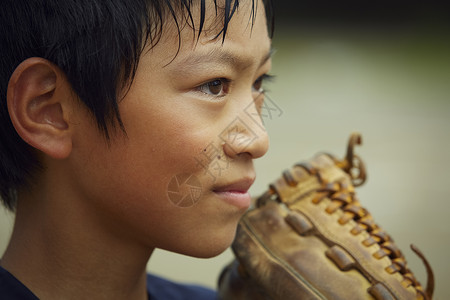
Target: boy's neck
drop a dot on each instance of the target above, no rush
(68, 255)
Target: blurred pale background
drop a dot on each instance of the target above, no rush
(385, 74)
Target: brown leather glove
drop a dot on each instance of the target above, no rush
(309, 238)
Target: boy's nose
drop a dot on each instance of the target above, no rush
(246, 134)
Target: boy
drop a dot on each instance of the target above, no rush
(105, 106)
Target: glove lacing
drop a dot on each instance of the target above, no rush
(342, 196)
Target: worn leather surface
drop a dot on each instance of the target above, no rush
(309, 238)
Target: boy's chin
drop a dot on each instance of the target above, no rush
(208, 251)
(207, 248)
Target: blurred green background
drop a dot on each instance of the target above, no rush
(382, 69)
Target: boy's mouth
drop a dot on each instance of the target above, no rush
(236, 193)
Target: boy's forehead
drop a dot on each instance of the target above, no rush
(246, 25)
(209, 19)
(223, 56)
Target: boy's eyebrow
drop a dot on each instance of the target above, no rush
(223, 56)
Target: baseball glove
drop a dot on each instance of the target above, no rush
(309, 238)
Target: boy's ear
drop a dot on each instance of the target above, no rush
(39, 100)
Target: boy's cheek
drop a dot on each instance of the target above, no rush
(137, 166)
(133, 191)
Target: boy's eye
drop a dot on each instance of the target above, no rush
(217, 87)
(258, 84)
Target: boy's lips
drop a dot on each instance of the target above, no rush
(236, 193)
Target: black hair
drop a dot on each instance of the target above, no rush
(91, 41)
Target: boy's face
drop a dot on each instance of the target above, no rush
(179, 180)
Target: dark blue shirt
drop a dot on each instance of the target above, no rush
(158, 289)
